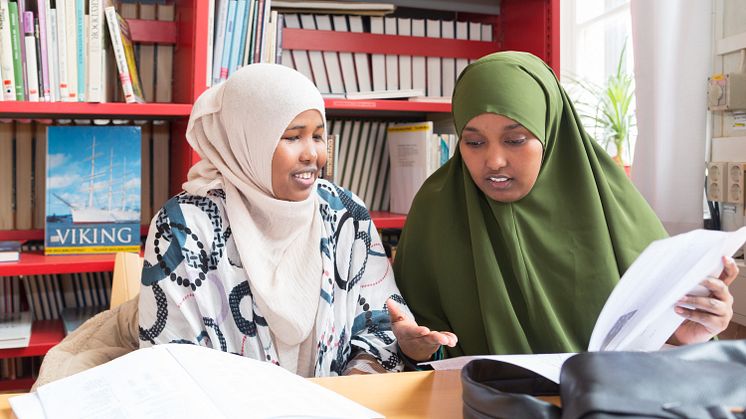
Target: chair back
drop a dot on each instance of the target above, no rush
(125, 284)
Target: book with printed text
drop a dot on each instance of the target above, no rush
(93, 189)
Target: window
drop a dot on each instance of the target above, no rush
(593, 35)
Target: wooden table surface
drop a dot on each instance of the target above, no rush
(407, 395)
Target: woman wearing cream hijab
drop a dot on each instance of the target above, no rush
(259, 257)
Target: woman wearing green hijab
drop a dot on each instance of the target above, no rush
(518, 240)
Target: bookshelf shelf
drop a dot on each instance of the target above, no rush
(32, 110)
(318, 40)
(383, 219)
(387, 105)
(35, 263)
(19, 384)
(44, 335)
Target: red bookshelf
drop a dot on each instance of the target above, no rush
(528, 25)
(44, 335)
(35, 263)
(30, 110)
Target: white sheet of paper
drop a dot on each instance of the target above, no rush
(147, 383)
(546, 365)
(639, 313)
(188, 381)
(240, 385)
(27, 406)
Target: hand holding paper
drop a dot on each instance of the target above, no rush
(710, 312)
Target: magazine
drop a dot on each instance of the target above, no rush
(93, 189)
(639, 314)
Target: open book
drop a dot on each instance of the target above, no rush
(185, 381)
(639, 314)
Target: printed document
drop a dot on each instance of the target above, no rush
(185, 381)
(639, 314)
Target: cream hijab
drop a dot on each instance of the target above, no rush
(235, 128)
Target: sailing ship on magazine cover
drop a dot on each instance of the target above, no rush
(93, 189)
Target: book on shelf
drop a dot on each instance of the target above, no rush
(639, 314)
(415, 153)
(385, 94)
(334, 7)
(16, 40)
(153, 382)
(93, 189)
(10, 251)
(329, 171)
(125, 56)
(7, 213)
(15, 329)
(73, 317)
(6, 54)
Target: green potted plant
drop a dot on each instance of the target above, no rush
(606, 110)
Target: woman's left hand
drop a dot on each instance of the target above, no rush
(416, 342)
(710, 314)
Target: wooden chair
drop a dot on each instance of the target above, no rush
(125, 283)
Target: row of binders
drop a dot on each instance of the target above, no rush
(357, 75)
(69, 51)
(385, 163)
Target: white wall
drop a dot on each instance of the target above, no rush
(730, 20)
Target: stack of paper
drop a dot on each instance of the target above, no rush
(185, 381)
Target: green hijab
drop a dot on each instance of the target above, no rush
(529, 276)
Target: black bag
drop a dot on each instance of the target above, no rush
(706, 381)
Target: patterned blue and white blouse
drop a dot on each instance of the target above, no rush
(195, 290)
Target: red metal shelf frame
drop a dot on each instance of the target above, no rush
(65, 110)
(19, 384)
(383, 219)
(387, 105)
(317, 40)
(152, 31)
(44, 335)
(35, 263)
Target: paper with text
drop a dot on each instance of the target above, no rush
(639, 314)
(187, 381)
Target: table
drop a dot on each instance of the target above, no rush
(421, 394)
(406, 395)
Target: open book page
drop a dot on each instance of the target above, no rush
(147, 383)
(241, 386)
(186, 381)
(546, 365)
(639, 314)
(27, 406)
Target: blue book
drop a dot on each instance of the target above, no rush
(93, 189)
(229, 31)
(239, 37)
